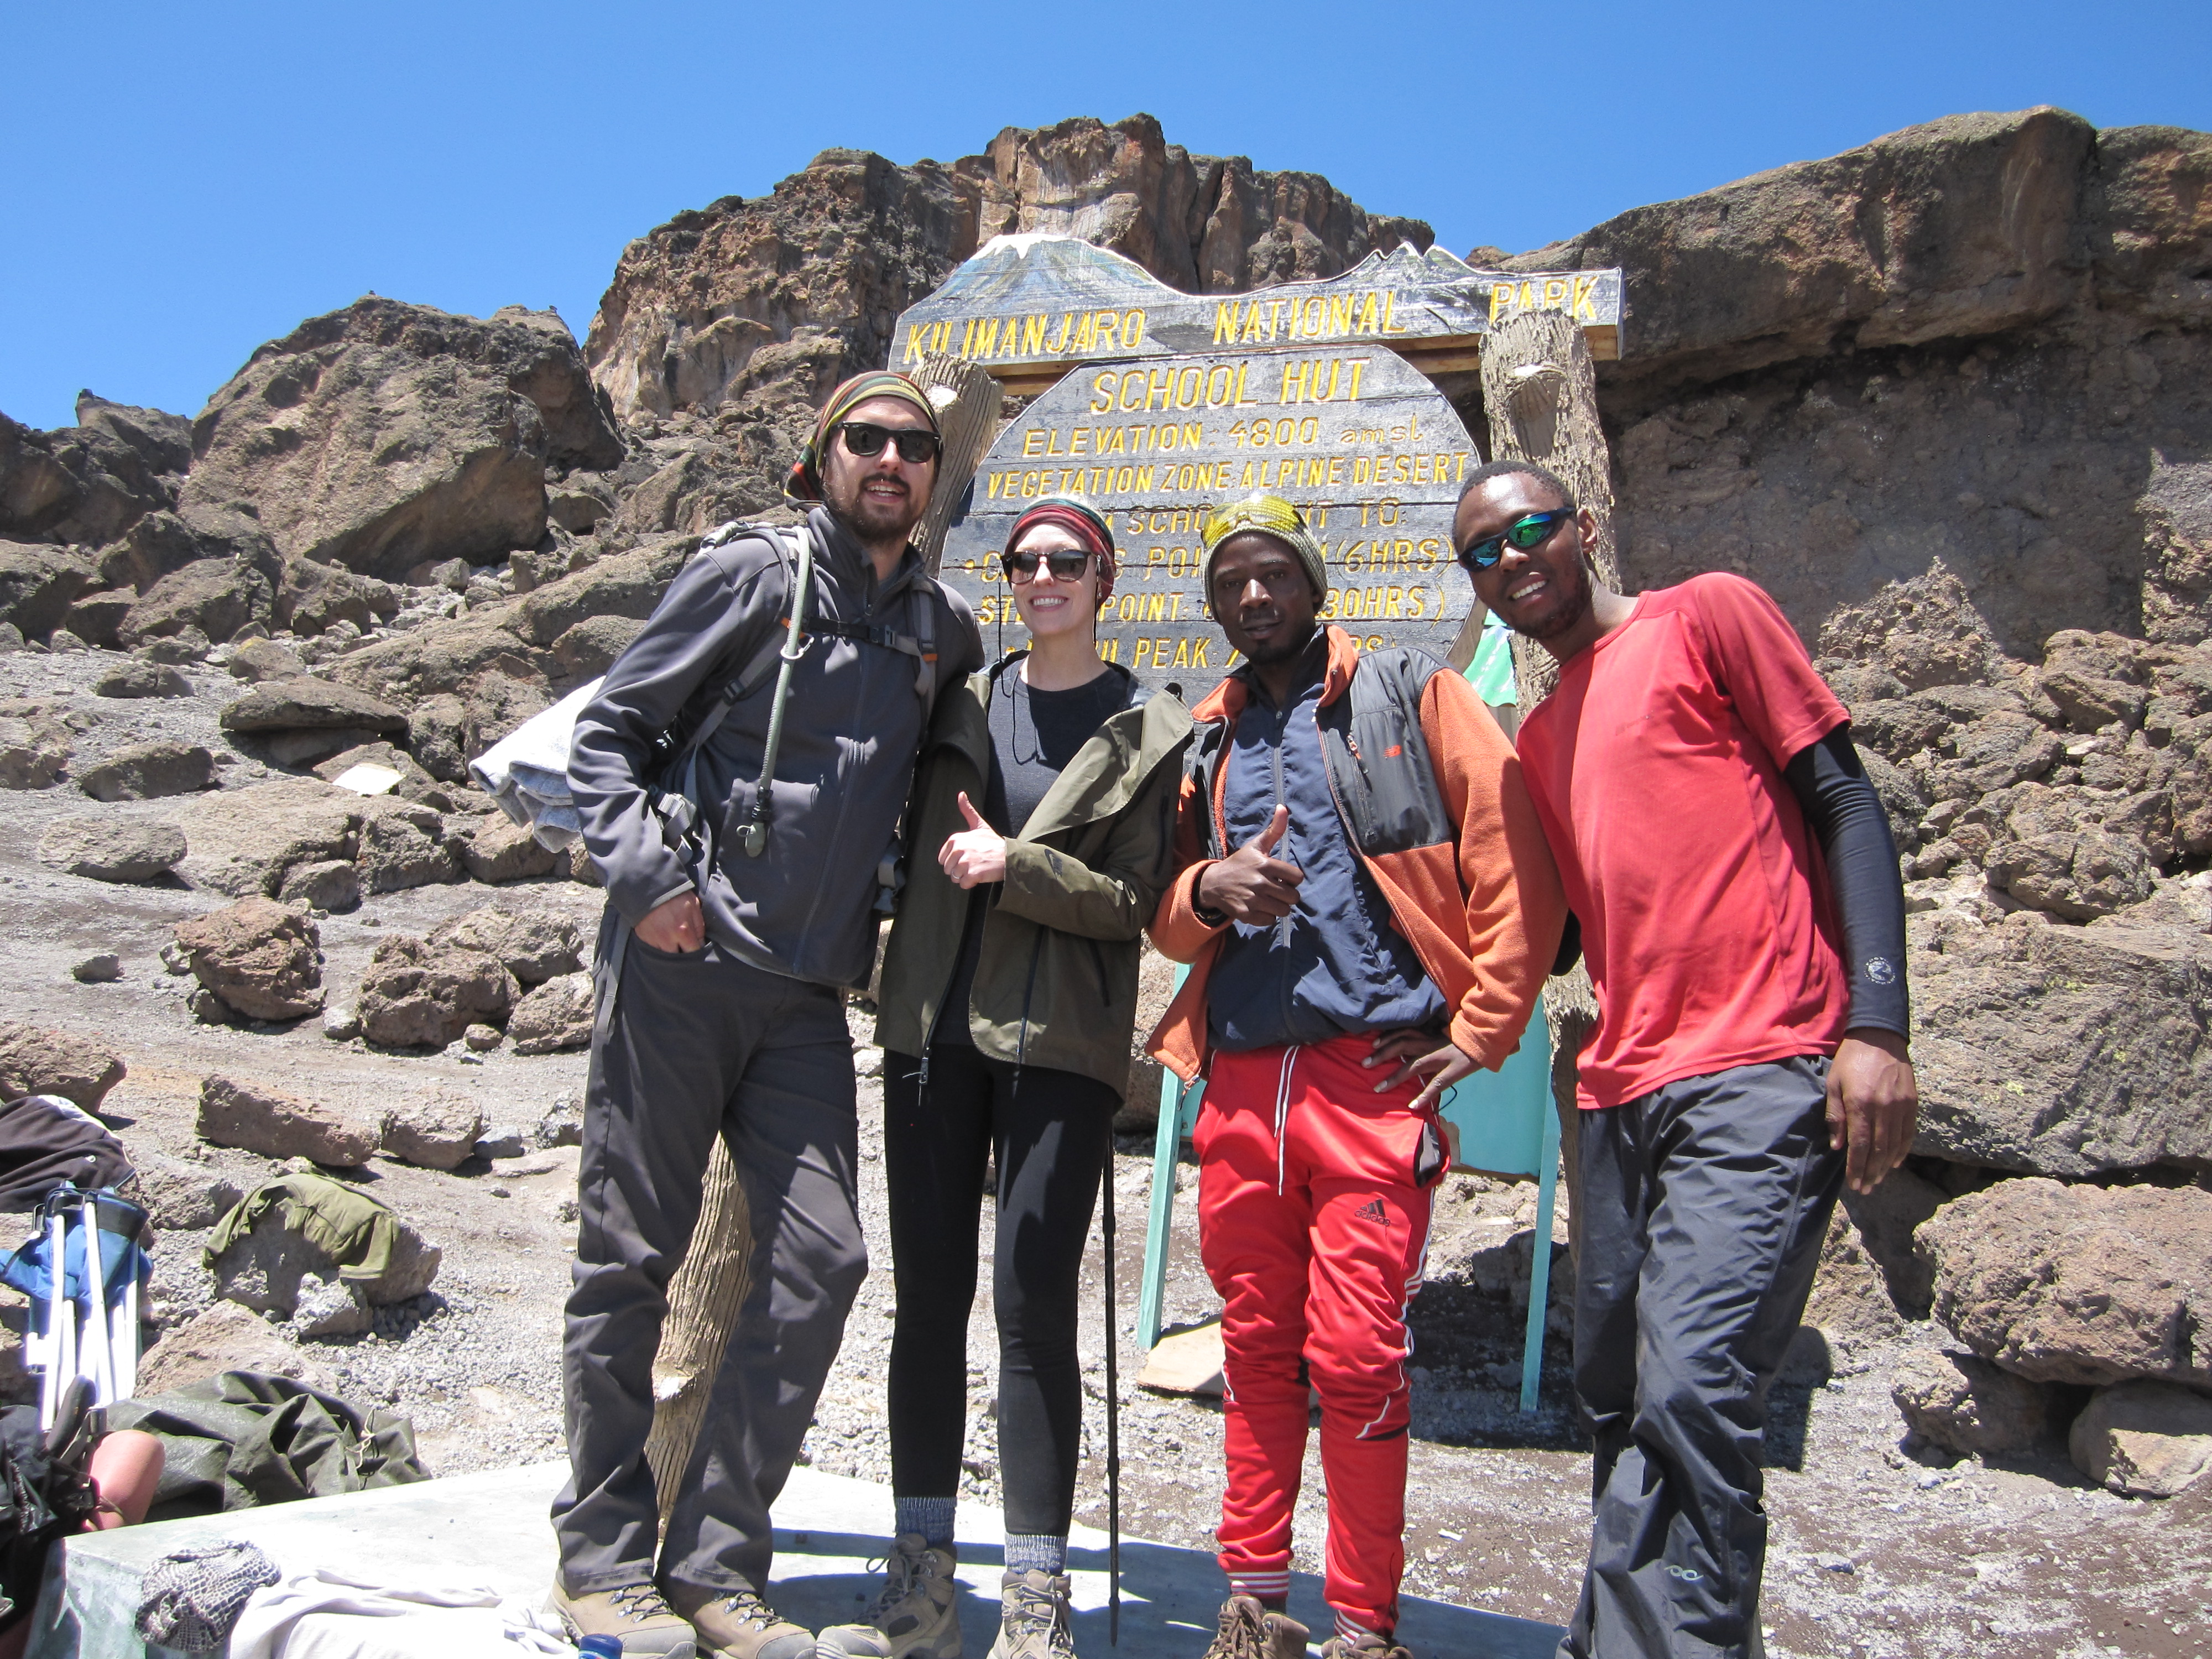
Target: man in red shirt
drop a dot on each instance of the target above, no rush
(1740, 911)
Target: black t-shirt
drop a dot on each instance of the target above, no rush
(1034, 735)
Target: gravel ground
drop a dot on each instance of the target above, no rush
(1875, 1552)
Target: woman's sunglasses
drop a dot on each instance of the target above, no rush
(1066, 567)
(867, 441)
(1531, 530)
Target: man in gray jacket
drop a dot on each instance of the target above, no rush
(722, 1013)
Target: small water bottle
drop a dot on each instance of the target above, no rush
(601, 1647)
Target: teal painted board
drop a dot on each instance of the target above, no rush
(1496, 1119)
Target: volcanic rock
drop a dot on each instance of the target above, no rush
(438, 1131)
(217, 597)
(225, 1337)
(2063, 1051)
(183, 1196)
(125, 850)
(1965, 1404)
(278, 1125)
(2078, 1284)
(38, 584)
(149, 771)
(386, 434)
(134, 678)
(97, 618)
(499, 849)
(101, 967)
(589, 649)
(313, 596)
(416, 995)
(257, 958)
(305, 703)
(264, 660)
(36, 737)
(403, 844)
(533, 946)
(268, 1269)
(2144, 1439)
(333, 884)
(73, 485)
(244, 840)
(557, 1015)
(37, 1061)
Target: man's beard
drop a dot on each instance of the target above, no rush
(1571, 610)
(869, 519)
(1283, 650)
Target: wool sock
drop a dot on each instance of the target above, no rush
(1046, 1551)
(930, 1516)
(1271, 1590)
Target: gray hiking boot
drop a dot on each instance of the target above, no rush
(916, 1614)
(1033, 1617)
(736, 1624)
(1249, 1631)
(635, 1614)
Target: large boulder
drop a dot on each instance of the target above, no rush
(416, 995)
(246, 841)
(385, 435)
(1964, 1404)
(181, 1196)
(438, 1131)
(75, 485)
(257, 958)
(403, 844)
(225, 1337)
(135, 677)
(270, 1267)
(216, 596)
(2063, 1051)
(36, 739)
(303, 719)
(149, 771)
(2078, 1284)
(38, 584)
(499, 849)
(37, 1061)
(557, 1015)
(314, 595)
(124, 850)
(2144, 1439)
(533, 946)
(278, 1125)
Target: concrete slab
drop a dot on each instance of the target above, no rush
(490, 1531)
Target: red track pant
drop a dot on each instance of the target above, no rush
(1313, 1228)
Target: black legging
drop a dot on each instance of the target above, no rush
(1050, 1137)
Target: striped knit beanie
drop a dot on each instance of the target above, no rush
(804, 482)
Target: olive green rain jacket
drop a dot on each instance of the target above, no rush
(1056, 984)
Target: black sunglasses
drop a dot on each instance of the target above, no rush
(1531, 530)
(1068, 566)
(867, 440)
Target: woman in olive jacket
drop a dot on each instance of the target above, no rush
(1046, 792)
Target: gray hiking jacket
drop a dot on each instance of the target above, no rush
(851, 731)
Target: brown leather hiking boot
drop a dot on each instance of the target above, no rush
(1033, 1617)
(1249, 1631)
(635, 1614)
(916, 1613)
(1367, 1645)
(736, 1624)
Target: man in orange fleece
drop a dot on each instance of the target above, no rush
(1381, 929)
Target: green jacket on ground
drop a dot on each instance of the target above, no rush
(1056, 984)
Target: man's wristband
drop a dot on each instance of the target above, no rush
(1211, 918)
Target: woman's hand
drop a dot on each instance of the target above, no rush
(977, 854)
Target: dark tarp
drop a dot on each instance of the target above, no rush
(243, 1439)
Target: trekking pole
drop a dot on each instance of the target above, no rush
(1113, 1418)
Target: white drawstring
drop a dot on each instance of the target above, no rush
(1283, 1110)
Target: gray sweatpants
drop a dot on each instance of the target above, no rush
(1704, 1204)
(700, 1045)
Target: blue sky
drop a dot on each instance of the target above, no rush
(187, 181)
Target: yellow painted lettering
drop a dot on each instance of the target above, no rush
(1110, 327)
(1033, 441)
(1102, 391)
(1033, 336)
(1224, 323)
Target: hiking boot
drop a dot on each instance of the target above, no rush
(637, 1614)
(736, 1624)
(1033, 1617)
(1249, 1631)
(916, 1614)
(1365, 1645)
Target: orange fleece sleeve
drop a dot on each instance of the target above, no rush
(1176, 932)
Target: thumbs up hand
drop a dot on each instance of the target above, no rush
(1251, 885)
(975, 855)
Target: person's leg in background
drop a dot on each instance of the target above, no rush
(125, 1470)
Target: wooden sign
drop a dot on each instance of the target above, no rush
(1030, 308)
(1349, 433)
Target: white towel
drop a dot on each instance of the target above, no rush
(322, 1614)
(526, 771)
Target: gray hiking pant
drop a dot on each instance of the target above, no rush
(1704, 1204)
(700, 1045)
